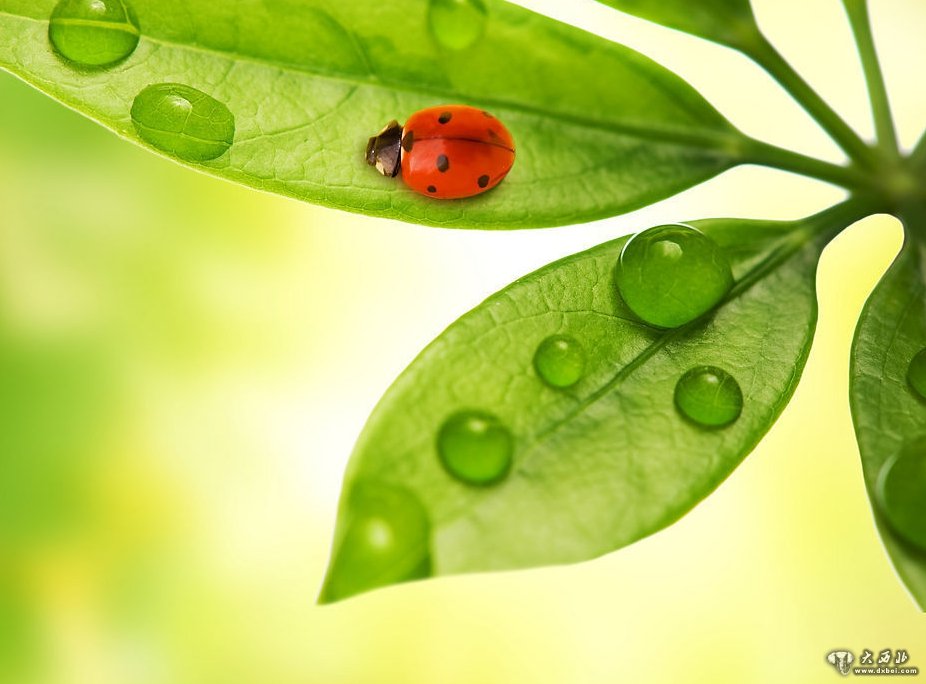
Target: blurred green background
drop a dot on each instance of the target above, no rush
(184, 365)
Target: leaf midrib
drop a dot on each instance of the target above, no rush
(779, 253)
(782, 250)
(777, 257)
(97, 23)
(720, 141)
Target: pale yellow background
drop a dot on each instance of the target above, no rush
(240, 340)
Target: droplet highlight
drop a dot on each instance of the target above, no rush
(475, 447)
(93, 33)
(916, 374)
(672, 274)
(457, 24)
(709, 397)
(560, 361)
(183, 121)
(386, 541)
(901, 492)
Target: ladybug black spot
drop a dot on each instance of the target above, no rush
(408, 141)
(444, 117)
(431, 188)
(443, 163)
(488, 115)
(483, 181)
(494, 135)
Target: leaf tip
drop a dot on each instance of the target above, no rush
(385, 539)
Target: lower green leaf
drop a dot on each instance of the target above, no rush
(889, 410)
(549, 425)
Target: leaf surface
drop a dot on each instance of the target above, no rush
(599, 128)
(728, 22)
(609, 460)
(886, 410)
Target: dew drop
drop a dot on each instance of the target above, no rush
(475, 447)
(560, 361)
(387, 540)
(183, 121)
(709, 396)
(901, 492)
(916, 373)
(670, 275)
(93, 33)
(457, 24)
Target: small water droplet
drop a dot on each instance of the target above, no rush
(709, 396)
(183, 121)
(457, 24)
(560, 361)
(387, 540)
(916, 373)
(475, 447)
(901, 492)
(93, 33)
(670, 275)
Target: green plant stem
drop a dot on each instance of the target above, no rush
(874, 76)
(918, 156)
(758, 152)
(913, 216)
(767, 56)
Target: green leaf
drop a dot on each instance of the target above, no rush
(729, 22)
(885, 408)
(608, 460)
(599, 128)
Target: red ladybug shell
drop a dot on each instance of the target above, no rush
(455, 151)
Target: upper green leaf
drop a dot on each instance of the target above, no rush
(599, 128)
(729, 22)
(514, 465)
(888, 410)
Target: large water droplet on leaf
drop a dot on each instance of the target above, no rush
(916, 373)
(670, 275)
(183, 121)
(387, 540)
(709, 396)
(93, 33)
(901, 491)
(457, 24)
(475, 447)
(560, 361)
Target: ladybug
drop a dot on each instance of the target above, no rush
(447, 152)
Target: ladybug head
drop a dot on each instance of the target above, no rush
(384, 149)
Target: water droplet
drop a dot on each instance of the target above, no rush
(457, 24)
(475, 447)
(386, 541)
(709, 396)
(916, 373)
(560, 361)
(93, 33)
(901, 491)
(183, 121)
(670, 275)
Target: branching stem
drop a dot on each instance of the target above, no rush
(767, 56)
(758, 152)
(874, 76)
